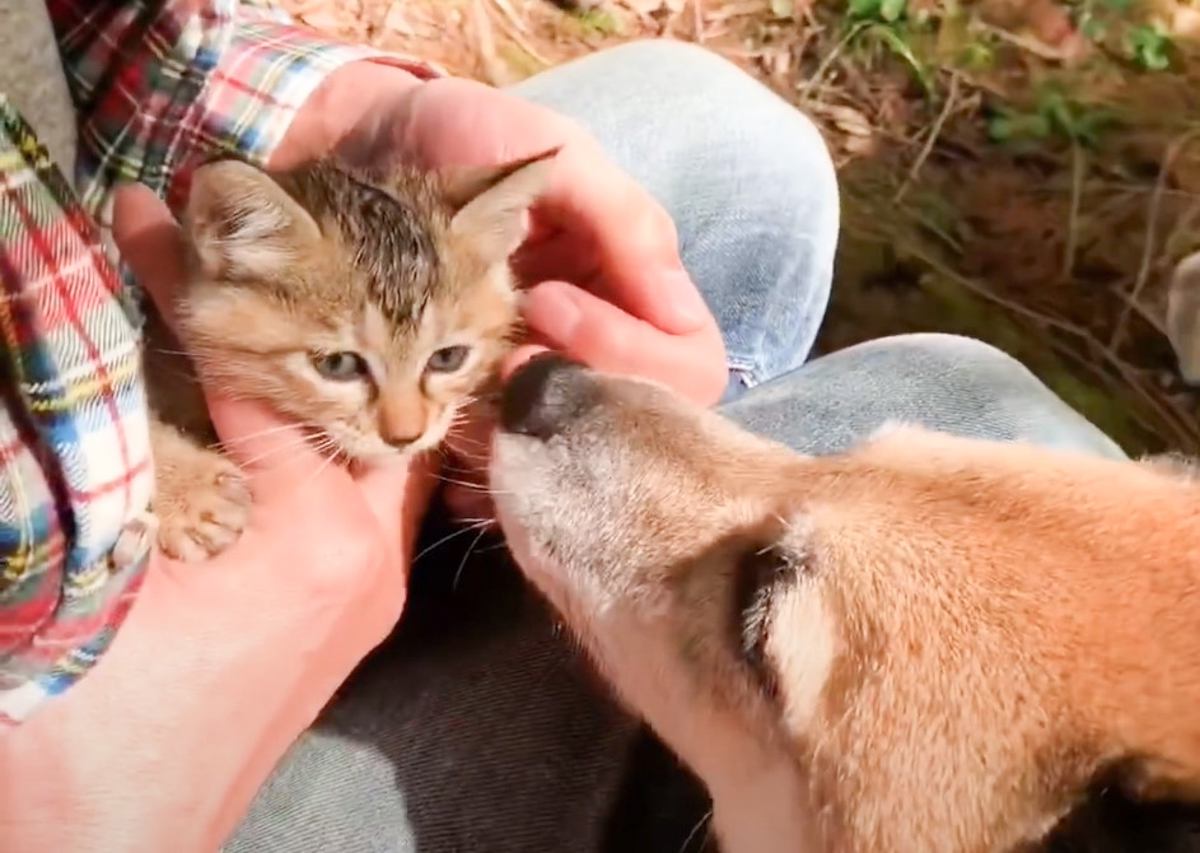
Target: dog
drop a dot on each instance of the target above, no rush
(927, 643)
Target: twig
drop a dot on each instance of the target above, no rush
(1034, 46)
(485, 43)
(1078, 167)
(830, 58)
(509, 12)
(1140, 309)
(931, 140)
(1151, 229)
(1184, 431)
(1183, 435)
(515, 30)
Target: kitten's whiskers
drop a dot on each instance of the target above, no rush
(254, 436)
(481, 524)
(296, 443)
(466, 484)
(462, 564)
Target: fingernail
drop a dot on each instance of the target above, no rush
(684, 298)
(551, 311)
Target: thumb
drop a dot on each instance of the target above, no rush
(275, 454)
(151, 243)
(597, 333)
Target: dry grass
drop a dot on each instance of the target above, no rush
(1054, 246)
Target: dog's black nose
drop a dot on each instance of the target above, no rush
(545, 394)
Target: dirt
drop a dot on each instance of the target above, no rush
(1023, 171)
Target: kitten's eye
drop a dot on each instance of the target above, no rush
(448, 359)
(340, 366)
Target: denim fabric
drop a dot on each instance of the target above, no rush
(746, 177)
(478, 727)
(945, 382)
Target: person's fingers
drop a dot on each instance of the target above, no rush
(519, 356)
(453, 122)
(633, 239)
(557, 255)
(151, 242)
(589, 329)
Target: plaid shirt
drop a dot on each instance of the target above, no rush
(155, 84)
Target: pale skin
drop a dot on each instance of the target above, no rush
(267, 631)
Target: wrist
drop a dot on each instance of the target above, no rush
(345, 100)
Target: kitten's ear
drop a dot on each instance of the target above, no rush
(242, 224)
(491, 203)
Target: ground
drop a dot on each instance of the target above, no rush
(1023, 171)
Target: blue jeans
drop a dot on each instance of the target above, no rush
(477, 727)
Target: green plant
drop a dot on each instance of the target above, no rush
(977, 56)
(1053, 115)
(1094, 18)
(599, 21)
(884, 11)
(1149, 46)
(886, 22)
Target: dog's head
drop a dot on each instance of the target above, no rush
(668, 539)
(903, 637)
(629, 507)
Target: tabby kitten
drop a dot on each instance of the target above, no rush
(368, 310)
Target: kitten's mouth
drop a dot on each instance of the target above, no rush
(346, 447)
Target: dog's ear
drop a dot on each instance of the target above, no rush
(773, 561)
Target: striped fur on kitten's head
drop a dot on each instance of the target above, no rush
(368, 309)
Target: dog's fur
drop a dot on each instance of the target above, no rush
(928, 643)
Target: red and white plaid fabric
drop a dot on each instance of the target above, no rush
(156, 84)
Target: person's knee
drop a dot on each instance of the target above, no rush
(967, 357)
(696, 87)
(973, 388)
(679, 73)
(944, 382)
(952, 366)
(762, 213)
(669, 59)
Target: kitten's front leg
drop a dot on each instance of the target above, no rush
(201, 499)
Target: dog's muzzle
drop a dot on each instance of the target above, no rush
(545, 395)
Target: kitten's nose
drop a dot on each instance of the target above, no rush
(545, 395)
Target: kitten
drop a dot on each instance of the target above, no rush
(368, 310)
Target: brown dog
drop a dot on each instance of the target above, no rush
(926, 644)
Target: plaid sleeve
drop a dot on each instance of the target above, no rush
(75, 472)
(155, 84)
(158, 83)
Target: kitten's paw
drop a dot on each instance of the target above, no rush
(202, 503)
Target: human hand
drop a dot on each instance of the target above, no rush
(604, 281)
(219, 666)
